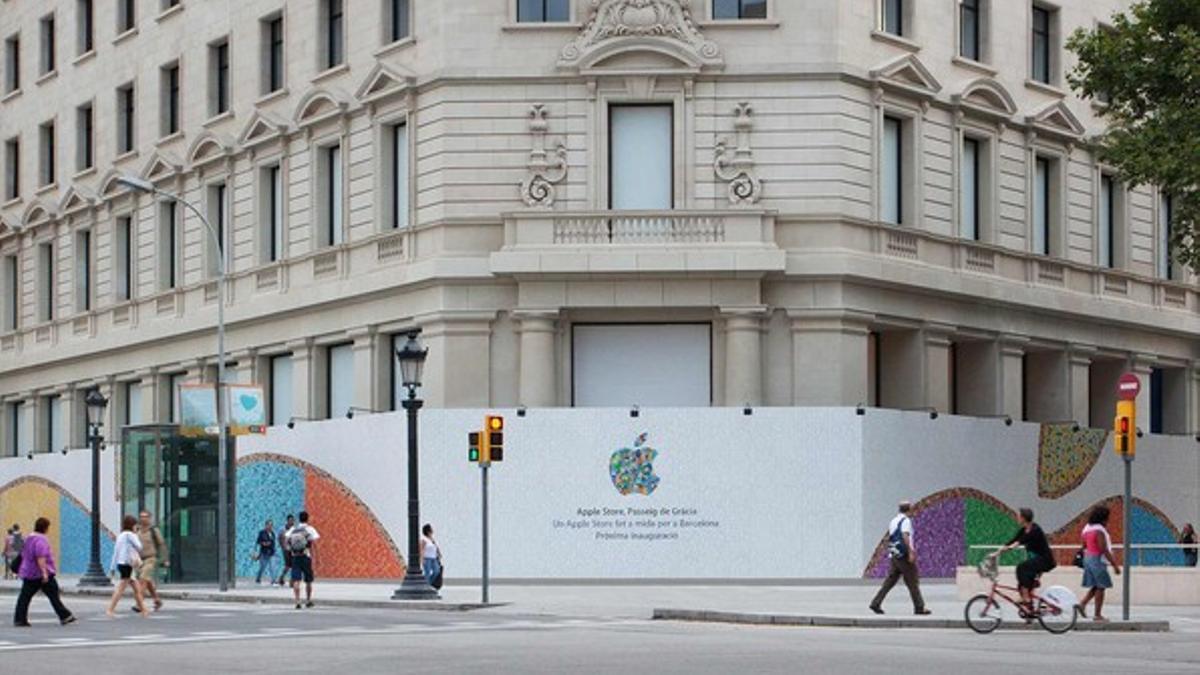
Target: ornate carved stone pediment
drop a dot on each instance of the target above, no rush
(664, 32)
(1056, 119)
(907, 75)
(986, 98)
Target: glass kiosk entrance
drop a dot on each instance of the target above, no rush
(175, 478)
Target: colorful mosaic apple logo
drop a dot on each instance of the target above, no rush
(632, 469)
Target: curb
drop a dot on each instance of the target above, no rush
(235, 597)
(709, 616)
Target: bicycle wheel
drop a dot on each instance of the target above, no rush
(1055, 616)
(983, 614)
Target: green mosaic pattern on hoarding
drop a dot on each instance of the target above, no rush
(987, 524)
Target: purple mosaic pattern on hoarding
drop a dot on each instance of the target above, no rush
(940, 531)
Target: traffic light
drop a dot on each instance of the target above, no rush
(493, 438)
(1125, 429)
(473, 446)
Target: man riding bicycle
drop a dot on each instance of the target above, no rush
(1040, 561)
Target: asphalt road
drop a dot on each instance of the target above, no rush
(188, 637)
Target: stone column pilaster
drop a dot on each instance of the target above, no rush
(538, 330)
(1011, 381)
(743, 355)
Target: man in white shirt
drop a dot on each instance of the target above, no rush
(903, 557)
(299, 541)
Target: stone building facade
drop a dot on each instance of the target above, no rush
(577, 202)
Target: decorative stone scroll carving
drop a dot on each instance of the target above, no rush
(736, 166)
(665, 26)
(544, 172)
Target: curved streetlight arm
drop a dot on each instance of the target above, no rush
(223, 558)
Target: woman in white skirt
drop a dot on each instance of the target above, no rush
(126, 558)
(1097, 548)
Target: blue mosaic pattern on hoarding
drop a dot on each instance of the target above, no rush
(264, 490)
(74, 539)
(1150, 529)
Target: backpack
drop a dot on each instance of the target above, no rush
(298, 540)
(896, 546)
(18, 543)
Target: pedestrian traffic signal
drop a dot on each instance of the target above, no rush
(493, 438)
(1125, 429)
(473, 446)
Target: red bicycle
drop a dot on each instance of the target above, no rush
(1054, 607)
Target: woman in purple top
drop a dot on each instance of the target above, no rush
(37, 574)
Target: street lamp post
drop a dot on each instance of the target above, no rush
(95, 403)
(223, 566)
(412, 360)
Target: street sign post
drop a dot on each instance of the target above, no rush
(1125, 445)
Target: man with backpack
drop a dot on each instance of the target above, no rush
(298, 541)
(903, 559)
(14, 543)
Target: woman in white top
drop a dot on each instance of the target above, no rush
(431, 557)
(126, 558)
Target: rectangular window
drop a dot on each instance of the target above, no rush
(272, 41)
(85, 16)
(281, 389)
(330, 191)
(46, 154)
(169, 99)
(56, 424)
(1041, 207)
(969, 197)
(12, 63)
(334, 34)
(969, 42)
(1166, 209)
(1040, 61)
(168, 245)
(174, 384)
(541, 11)
(270, 191)
(123, 260)
(134, 404)
(641, 152)
(218, 217)
(399, 175)
(893, 17)
(46, 26)
(10, 295)
(168, 4)
(1156, 400)
(125, 119)
(46, 281)
(19, 433)
(83, 271)
(85, 142)
(1105, 233)
(126, 15)
(397, 19)
(218, 74)
(739, 9)
(340, 379)
(12, 168)
(891, 175)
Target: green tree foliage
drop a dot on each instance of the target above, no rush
(1146, 68)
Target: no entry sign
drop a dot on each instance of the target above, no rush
(1128, 387)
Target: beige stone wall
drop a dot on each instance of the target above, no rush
(475, 263)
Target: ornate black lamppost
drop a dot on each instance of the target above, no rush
(412, 360)
(95, 403)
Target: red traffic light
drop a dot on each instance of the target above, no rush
(1122, 425)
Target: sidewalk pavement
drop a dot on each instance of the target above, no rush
(831, 600)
